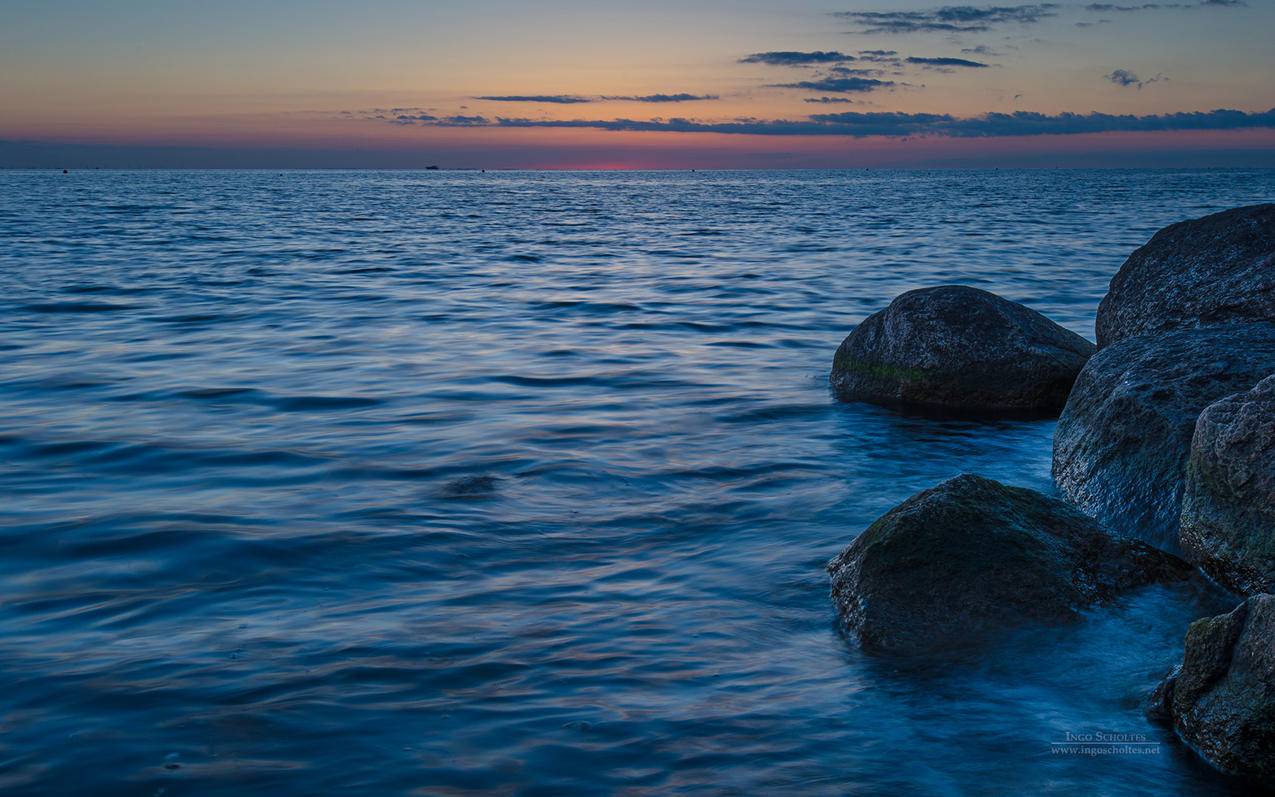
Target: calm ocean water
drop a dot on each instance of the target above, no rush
(522, 483)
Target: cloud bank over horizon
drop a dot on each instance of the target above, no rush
(888, 124)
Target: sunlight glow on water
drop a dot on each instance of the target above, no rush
(455, 483)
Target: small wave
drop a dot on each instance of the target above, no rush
(324, 403)
(590, 307)
(779, 412)
(365, 270)
(94, 289)
(75, 307)
(65, 448)
(549, 381)
(196, 319)
(158, 459)
(217, 393)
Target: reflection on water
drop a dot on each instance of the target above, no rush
(453, 483)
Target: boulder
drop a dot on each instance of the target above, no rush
(1121, 446)
(1228, 505)
(960, 562)
(1217, 269)
(959, 349)
(1221, 701)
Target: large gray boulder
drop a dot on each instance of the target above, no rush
(1228, 507)
(1121, 445)
(1221, 701)
(959, 349)
(971, 557)
(1217, 269)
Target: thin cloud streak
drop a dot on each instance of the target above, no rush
(838, 85)
(950, 19)
(792, 58)
(1106, 7)
(961, 62)
(561, 99)
(575, 99)
(659, 98)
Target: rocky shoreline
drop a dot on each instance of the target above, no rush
(1165, 446)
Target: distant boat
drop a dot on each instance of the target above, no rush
(431, 168)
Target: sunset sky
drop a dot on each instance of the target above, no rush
(574, 84)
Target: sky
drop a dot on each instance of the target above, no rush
(562, 84)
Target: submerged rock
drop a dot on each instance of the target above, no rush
(1217, 269)
(1221, 701)
(1121, 446)
(1228, 508)
(971, 557)
(960, 349)
(471, 487)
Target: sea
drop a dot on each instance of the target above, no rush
(523, 483)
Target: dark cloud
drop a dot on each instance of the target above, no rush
(846, 70)
(1123, 77)
(880, 57)
(1032, 124)
(906, 125)
(792, 58)
(947, 62)
(950, 19)
(410, 118)
(572, 99)
(1024, 123)
(665, 98)
(981, 49)
(560, 99)
(839, 85)
(462, 121)
(830, 101)
(1104, 8)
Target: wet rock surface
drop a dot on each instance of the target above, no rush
(1122, 443)
(1221, 701)
(971, 557)
(959, 349)
(1228, 507)
(1218, 269)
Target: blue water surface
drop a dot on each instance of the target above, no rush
(448, 483)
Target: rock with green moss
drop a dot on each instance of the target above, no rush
(1228, 505)
(965, 560)
(1221, 701)
(959, 349)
